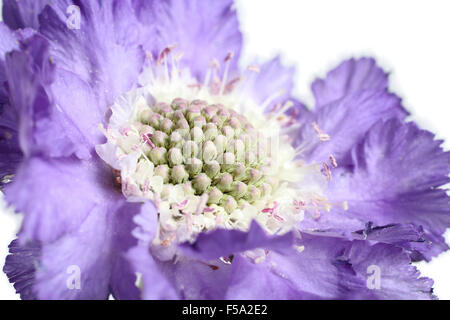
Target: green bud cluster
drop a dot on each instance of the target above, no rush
(213, 147)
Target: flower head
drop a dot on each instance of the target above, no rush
(205, 156)
(135, 145)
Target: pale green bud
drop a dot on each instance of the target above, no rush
(154, 120)
(179, 174)
(194, 166)
(224, 182)
(166, 125)
(158, 155)
(209, 151)
(228, 132)
(255, 175)
(182, 124)
(214, 196)
(163, 171)
(221, 142)
(145, 115)
(212, 168)
(201, 183)
(228, 203)
(266, 189)
(197, 134)
(253, 194)
(147, 130)
(228, 161)
(159, 138)
(190, 149)
(239, 171)
(238, 189)
(211, 131)
(175, 157)
(176, 140)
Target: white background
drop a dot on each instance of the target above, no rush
(410, 38)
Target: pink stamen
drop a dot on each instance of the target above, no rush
(135, 147)
(326, 171)
(215, 86)
(213, 267)
(125, 131)
(129, 189)
(298, 204)
(316, 211)
(164, 53)
(276, 107)
(168, 241)
(182, 204)
(146, 138)
(225, 73)
(202, 204)
(146, 186)
(333, 161)
(271, 210)
(231, 84)
(254, 68)
(322, 136)
(229, 56)
(293, 115)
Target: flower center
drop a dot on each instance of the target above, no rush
(209, 159)
(208, 149)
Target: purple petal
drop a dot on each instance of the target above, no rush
(108, 35)
(196, 280)
(155, 285)
(182, 278)
(398, 279)
(346, 121)
(313, 271)
(397, 175)
(272, 84)
(407, 236)
(57, 195)
(8, 42)
(349, 77)
(10, 154)
(392, 234)
(41, 126)
(334, 268)
(96, 250)
(202, 31)
(250, 281)
(222, 243)
(23, 13)
(86, 264)
(53, 104)
(20, 267)
(123, 277)
(75, 99)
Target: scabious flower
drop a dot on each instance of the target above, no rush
(144, 158)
